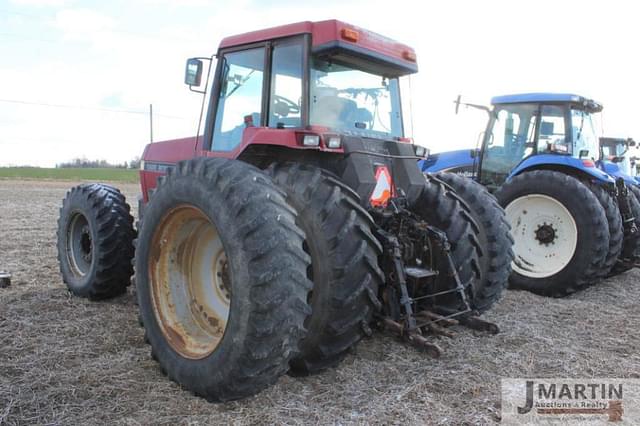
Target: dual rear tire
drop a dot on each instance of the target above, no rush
(494, 237)
(242, 276)
(221, 278)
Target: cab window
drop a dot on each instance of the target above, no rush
(286, 85)
(240, 99)
(552, 134)
(510, 139)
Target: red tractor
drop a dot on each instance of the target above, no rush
(299, 220)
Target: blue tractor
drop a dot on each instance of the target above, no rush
(572, 220)
(616, 161)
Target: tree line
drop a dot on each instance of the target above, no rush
(84, 163)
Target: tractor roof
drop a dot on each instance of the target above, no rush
(332, 36)
(519, 98)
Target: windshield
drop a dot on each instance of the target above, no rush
(585, 139)
(354, 101)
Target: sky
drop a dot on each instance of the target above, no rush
(77, 76)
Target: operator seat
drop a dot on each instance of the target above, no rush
(336, 112)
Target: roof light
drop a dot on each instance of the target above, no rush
(409, 56)
(311, 140)
(350, 35)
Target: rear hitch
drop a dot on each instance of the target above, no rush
(627, 258)
(413, 300)
(478, 324)
(413, 337)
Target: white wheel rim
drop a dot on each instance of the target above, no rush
(545, 235)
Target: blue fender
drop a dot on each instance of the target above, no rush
(614, 170)
(542, 160)
(450, 161)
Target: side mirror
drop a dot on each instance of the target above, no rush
(193, 72)
(631, 142)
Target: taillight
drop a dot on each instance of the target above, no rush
(383, 190)
(588, 163)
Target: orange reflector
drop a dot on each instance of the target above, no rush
(588, 163)
(409, 55)
(384, 187)
(350, 35)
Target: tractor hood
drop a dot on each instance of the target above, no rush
(460, 161)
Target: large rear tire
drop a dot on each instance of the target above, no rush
(616, 231)
(439, 206)
(344, 266)
(494, 236)
(560, 231)
(95, 241)
(221, 278)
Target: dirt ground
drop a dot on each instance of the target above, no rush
(65, 360)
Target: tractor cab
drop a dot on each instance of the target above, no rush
(615, 158)
(325, 93)
(523, 126)
(316, 81)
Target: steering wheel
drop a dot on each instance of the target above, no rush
(282, 106)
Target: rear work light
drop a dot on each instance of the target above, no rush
(333, 142)
(311, 140)
(421, 151)
(384, 187)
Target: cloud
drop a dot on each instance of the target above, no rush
(41, 2)
(82, 22)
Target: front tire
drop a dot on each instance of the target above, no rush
(95, 241)
(221, 222)
(560, 231)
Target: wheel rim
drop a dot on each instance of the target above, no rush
(189, 282)
(545, 235)
(79, 245)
